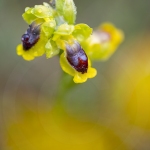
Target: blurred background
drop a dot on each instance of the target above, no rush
(109, 112)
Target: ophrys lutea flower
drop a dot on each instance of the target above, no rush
(75, 62)
(32, 42)
(35, 39)
(103, 42)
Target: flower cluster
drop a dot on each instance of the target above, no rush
(52, 30)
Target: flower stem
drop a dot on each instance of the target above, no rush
(66, 84)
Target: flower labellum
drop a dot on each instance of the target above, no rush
(77, 57)
(31, 36)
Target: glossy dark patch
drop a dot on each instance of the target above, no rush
(77, 57)
(31, 36)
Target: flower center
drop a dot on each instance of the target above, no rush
(104, 36)
(101, 37)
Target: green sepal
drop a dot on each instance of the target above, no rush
(64, 29)
(82, 32)
(51, 49)
(49, 27)
(28, 16)
(59, 5)
(41, 11)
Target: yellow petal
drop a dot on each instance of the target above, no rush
(92, 72)
(109, 27)
(20, 49)
(80, 78)
(28, 56)
(66, 67)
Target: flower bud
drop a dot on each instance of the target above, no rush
(67, 9)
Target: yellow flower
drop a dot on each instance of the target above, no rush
(76, 63)
(33, 42)
(74, 60)
(103, 42)
(35, 51)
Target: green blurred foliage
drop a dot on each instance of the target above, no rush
(116, 100)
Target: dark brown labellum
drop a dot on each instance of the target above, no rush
(31, 36)
(77, 57)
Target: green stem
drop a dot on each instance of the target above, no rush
(66, 84)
